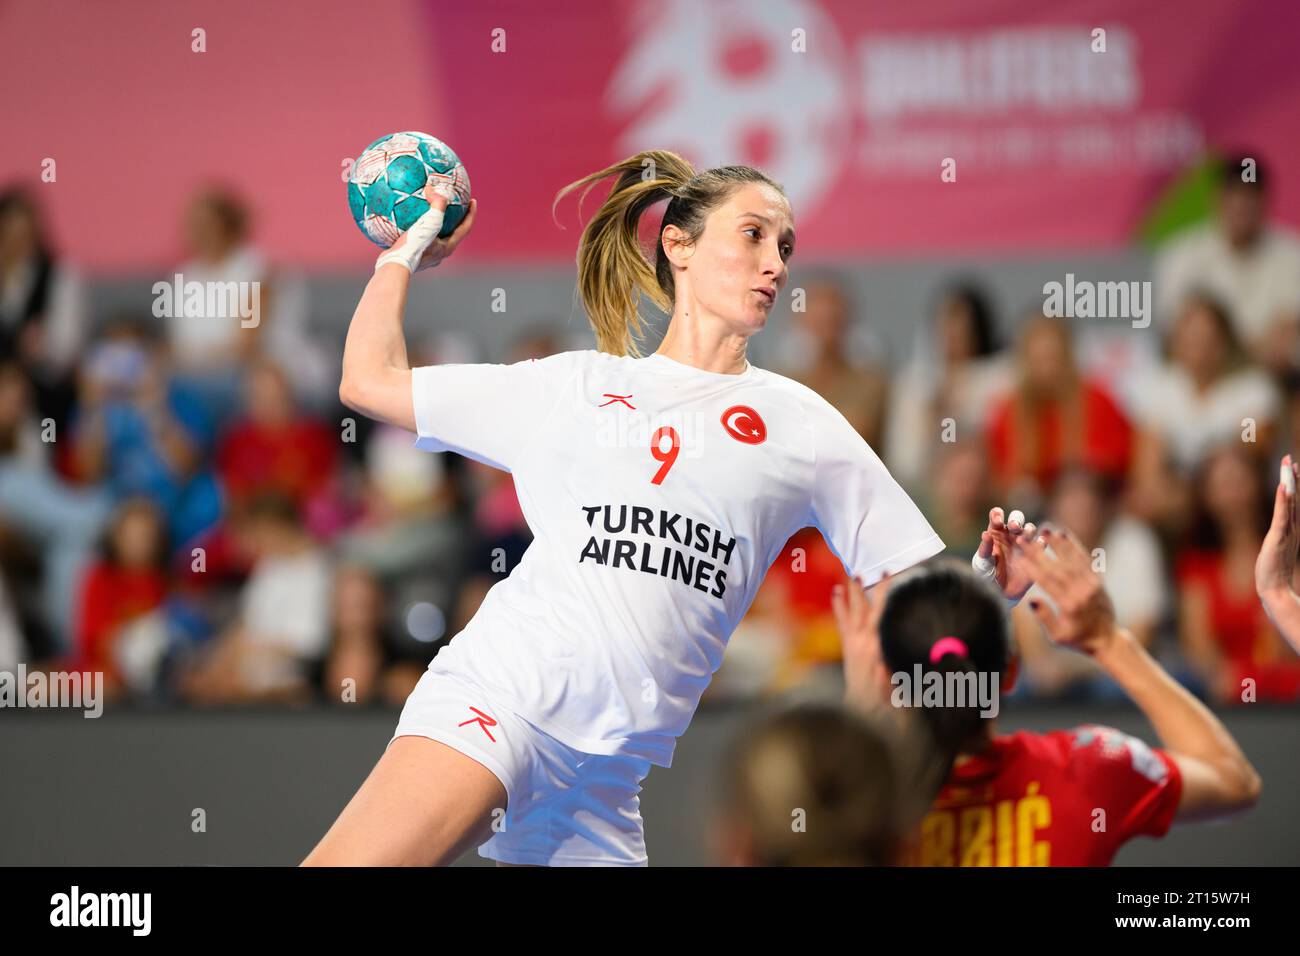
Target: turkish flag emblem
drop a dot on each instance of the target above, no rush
(744, 424)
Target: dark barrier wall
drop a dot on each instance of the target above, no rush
(123, 789)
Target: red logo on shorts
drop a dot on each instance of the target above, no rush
(744, 424)
(483, 720)
(617, 398)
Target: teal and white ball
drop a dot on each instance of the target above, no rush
(386, 186)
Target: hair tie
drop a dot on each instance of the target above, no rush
(948, 645)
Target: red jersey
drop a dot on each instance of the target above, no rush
(1250, 644)
(110, 598)
(1106, 445)
(295, 459)
(1066, 798)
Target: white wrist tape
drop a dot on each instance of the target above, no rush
(985, 568)
(418, 239)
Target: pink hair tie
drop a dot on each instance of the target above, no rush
(948, 645)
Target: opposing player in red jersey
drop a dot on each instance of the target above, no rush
(1065, 798)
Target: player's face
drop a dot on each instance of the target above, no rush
(740, 263)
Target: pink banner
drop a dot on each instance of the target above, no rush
(1058, 136)
(135, 117)
(1059, 125)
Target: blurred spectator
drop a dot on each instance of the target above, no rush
(1223, 629)
(757, 657)
(1054, 418)
(42, 306)
(127, 583)
(956, 501)
(858, 392)
(49, 526)
(282, 630)
(20, 434)
(795, 598)
(1126, 553)
(210, 350)
(1252, 266)
(401, 571)
(143, 433)
(1288, 441)
(959, 383)
(1204, 396)
(210, 345)
(274, 447)
(12, 645)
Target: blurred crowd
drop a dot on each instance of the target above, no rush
(185, 506)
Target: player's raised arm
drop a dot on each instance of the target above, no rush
(1217, 777)
(857, 617)
(376, 377)
(1275, 566)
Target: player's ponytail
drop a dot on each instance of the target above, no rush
(945, 619)
(613, 271)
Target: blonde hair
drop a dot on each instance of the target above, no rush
(613, 272)
(862, 784)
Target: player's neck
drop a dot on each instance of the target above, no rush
(723, 354)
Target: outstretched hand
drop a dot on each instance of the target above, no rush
(857, 615)
(997, 558)
(1084, 618)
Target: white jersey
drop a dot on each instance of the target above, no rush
(658, 495)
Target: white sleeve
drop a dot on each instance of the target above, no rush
(487, 412)
(868, 520)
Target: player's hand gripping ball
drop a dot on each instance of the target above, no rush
(386, 185)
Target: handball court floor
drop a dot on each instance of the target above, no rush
(123, 789)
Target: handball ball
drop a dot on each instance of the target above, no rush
(386, 185)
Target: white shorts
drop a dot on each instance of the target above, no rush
(564, 807)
